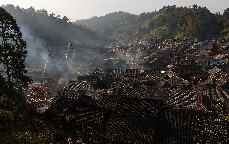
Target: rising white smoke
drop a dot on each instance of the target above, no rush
(37, 53)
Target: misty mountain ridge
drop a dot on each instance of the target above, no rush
(51, 28)
(169, 21)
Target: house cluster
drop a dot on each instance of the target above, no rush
(140, 90)
(209, 53)
(145, 55)
(173, 70)
(133, 105)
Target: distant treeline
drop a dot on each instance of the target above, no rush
(170, 21)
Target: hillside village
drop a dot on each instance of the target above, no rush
(162, 88)
(195, 81)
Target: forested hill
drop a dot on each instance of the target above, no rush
(113, 24)
(52, 28)
(170, 21)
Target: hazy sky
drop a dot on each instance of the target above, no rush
(83, 9)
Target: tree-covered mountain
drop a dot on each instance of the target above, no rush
(52, 28)
(170, 21)
(114, 25)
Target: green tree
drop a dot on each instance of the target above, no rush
(66, 19)
(160, 32)
(225, 32)
(12, 52)
(226, 13)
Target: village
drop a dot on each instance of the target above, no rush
(158, 76)
(194, 73)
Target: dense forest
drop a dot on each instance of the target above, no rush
(51, 28)
(168, 22)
